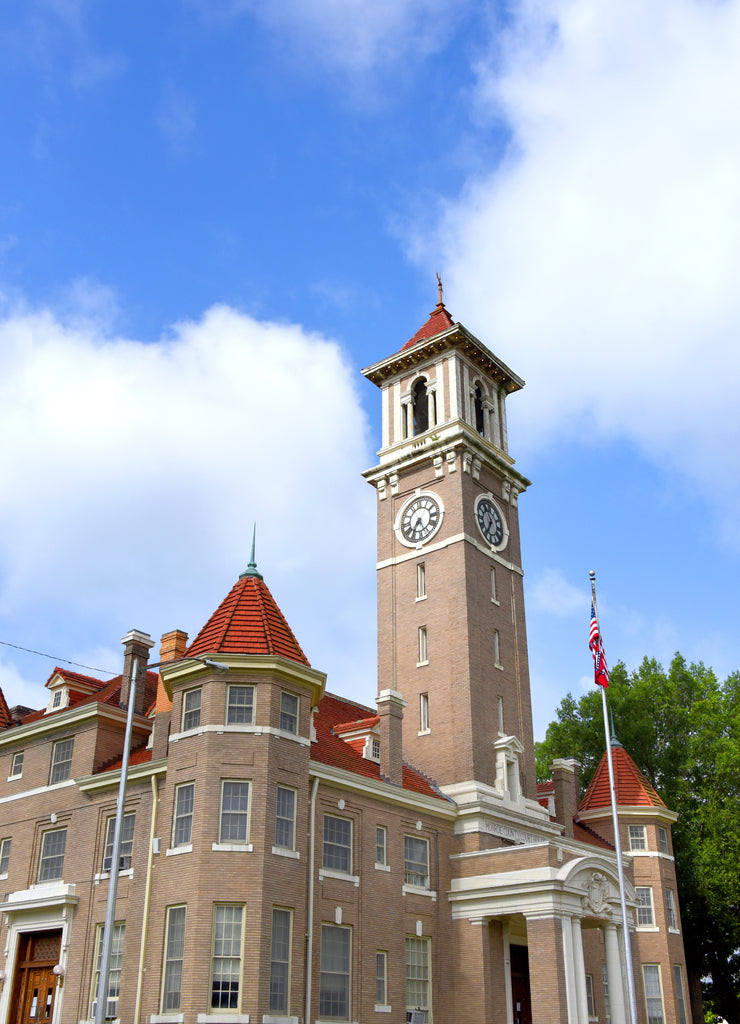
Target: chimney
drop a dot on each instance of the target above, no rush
(136, 647)
(390, 710)
(172, 647)
(566, 785)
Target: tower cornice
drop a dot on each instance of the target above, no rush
(456, 337)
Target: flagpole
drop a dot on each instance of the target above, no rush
(617, 841)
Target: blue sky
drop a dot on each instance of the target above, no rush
(213, 214)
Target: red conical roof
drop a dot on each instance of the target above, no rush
(632, 788)
(439, 320)
(248, 621)
(6, 719)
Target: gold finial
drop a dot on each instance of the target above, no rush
(439, 286)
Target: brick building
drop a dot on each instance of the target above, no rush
(289, 855)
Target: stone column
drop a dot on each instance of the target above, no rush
(614, 975)
(579, 968)
(569, 970)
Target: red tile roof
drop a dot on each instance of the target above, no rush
(362, 723)
(329, 749)
(139, 755)
(107, 693)
(632, 788)
(248, 621)
(584, 834)
(75, 677)
(6, 719)
(439, 320)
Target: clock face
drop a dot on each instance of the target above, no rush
(419, 519)
(491, 522)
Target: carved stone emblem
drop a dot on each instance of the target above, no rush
(596, 892)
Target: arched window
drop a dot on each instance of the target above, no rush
(421, 407)
(478, 408)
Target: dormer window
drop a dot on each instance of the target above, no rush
(59, 699)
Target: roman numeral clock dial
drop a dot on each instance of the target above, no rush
(419, 519)
(491, 522)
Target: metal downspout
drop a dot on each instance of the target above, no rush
(147, 899)
(309, 923)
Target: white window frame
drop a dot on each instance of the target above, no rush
(680, 994)
(663, 840)
(605, 984)
(381, 846)
(240, 815)
(497, 649)
(5, 846)
(221, 958)
(289, 718)
(651, 999)
(645, 906)
(381, 978)
(116, 967)
(637, 837)
(331, 845)
(415, 868)
(284, 818)
(16, 765)
(424, 714)
(46, 859)
(494, 589)
(191, 714)
(423, 651)
(590, 997)
(418, 974)
(339, 973)
(280, 964)
(179, 816)
(235, 710)
(128, 826)
(670, 910)
(61, 760)
(174, 957)
(421, 581)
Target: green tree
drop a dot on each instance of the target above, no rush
(682, 728)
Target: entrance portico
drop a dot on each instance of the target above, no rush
(543, 897)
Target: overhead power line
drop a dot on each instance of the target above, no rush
(51, 657)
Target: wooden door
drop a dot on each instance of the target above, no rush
(34, 982)
(38, 1003)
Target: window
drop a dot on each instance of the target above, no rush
(605, 983)
(127, 842)
(239, 705)
(670, 909)
(416, 861)
(423, 712)
(288, 712)
(114, 975)
(335, 961)
(680, 1003)
(663, 840)
(421, 580)
(375, 749)
(423, 647)
(174, 950)
(4, 856)
(51, 862)
(420, 400)
(645, 917)
(478, 409)
(280, 961)
(337, 843)
(227, 957)
(191, 701)
(380, 845)
(653, 994)
(16, 767)
(417, 974)
(638, 839)
(56, 700)
(381, 978)
(494, 595)
(182, 825)
(234, 824)
(285, 818)
(590, 996)
(61, 761)
(497, 649)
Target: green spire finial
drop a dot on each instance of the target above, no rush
(251, 569)
(614, 741)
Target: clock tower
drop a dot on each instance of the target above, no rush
(451, 631)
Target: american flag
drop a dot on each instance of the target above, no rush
(601, 672)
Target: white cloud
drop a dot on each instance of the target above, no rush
(550, 592)
(357, 35)
(604, 249)
(133, 472)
